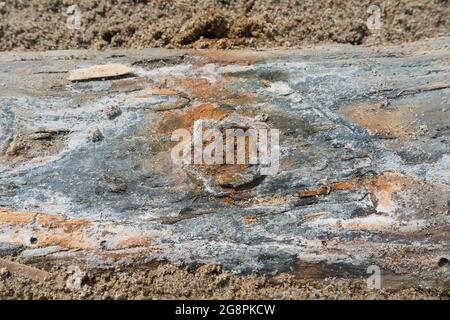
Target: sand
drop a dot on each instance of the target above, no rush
(205, 282)
(224, 24)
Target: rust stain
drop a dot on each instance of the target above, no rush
(56, 230)
(161, 91)
(324, 190)
(401, 122)
(382, 190)
(314, 192)
(204, 90)
(174, 120)
(205, 111)
(133, 241)
(391, 191)
(249, 219)
(223, 173)
(49, 221)
(346, 185)
(50, 230)
(10, 217)
(59, 221)
(228, 200)
(73, 234)
(78, 239)
(73, 225)
(227, 179)
(380, 121)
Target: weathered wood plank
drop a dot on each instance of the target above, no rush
(100, 72)
(24, 270)
(364, 174)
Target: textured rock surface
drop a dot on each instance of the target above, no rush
(364, 176)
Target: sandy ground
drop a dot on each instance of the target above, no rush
(41, 24)
(205, 282)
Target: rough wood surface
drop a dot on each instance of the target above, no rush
(23, 270)
(99, 72)
(85, 168)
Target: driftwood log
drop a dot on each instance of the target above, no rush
(364, 177)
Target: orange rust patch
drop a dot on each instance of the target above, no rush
(399, 122)
(249, 219)
(392, 191)
(205, 111)
(382, 189)
(227, 179)
(133, 242)
(161, 92)
(207, 91)
(72, 225)
(174, 120)
(75, 240)
(346, 185)
(323, 190)
(10, 217)
(58, 221)
(223, 172)
(229, 200)
(380, 121)
(49, 221)
(203, 89)
(315, 192)
(165, 91)
(49, 229)
(56, 230)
